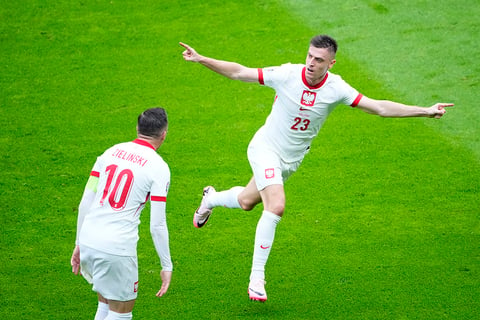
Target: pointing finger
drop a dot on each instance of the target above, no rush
(184, 45)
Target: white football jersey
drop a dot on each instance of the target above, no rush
(299, 110)
(130, 174)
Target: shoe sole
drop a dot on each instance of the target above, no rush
(254, 298)
(257, 299)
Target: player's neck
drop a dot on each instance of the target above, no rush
(152, 141)
(322, 78)
(313, 81)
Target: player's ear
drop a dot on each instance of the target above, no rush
(163, 135)
(332, 62)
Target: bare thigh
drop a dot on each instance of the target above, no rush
(121, 306)
(118, 306)
(273, 197)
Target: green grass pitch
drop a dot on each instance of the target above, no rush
(382, 219)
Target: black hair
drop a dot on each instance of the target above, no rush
(152, 122)
(324, 41)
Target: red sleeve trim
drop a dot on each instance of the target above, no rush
(158, 198)
(95, 174)
(357, 100)
(260, 76)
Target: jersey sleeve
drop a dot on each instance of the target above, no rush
(161, 184)
(269, 76)
(159, 232)
(88, 197)
(350, 96)
(158, 217)
(357, 100)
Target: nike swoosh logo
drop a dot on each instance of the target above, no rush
(256, 292)
(304, 109)
(264, 247)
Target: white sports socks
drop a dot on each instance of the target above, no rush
(118, 316)
(102, 311)
(227, 198)
(263, 243)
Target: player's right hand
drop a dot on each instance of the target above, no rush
(189, 54)
(75, 260)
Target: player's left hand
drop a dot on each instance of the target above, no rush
(166, 278)
(438, 109)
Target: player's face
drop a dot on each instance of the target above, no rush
(318, 62)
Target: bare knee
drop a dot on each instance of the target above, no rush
(277, 208)
(250, 196)
(274, 199)
(246, 204)
(248, 200)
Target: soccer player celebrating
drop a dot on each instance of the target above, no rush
(122, 180)
(305, 94)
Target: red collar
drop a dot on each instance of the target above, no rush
(319, 85)
(143, 143)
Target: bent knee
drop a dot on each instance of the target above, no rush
(247, 205)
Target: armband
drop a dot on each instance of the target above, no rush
(92, 183)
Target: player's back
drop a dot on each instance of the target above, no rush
(127, 172)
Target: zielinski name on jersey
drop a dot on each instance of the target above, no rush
(129, 156)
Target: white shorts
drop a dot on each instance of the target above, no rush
(268, 168)
(114, 277)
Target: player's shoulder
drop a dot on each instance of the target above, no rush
(154, 166)
(333, 76)
(159, 163)
(335, 79)
(159, 170)
(159, 159)
(288, 66)
(282, 73)
(294, 67)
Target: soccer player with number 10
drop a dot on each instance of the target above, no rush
(122, 180)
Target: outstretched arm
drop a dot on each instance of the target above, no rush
(232, 70)
(390, 109)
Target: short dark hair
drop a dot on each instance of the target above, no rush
(152, 122)
(324, 41)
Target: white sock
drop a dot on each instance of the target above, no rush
(118, 316)
(227, 198)
(263, 243)
(102, 311)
